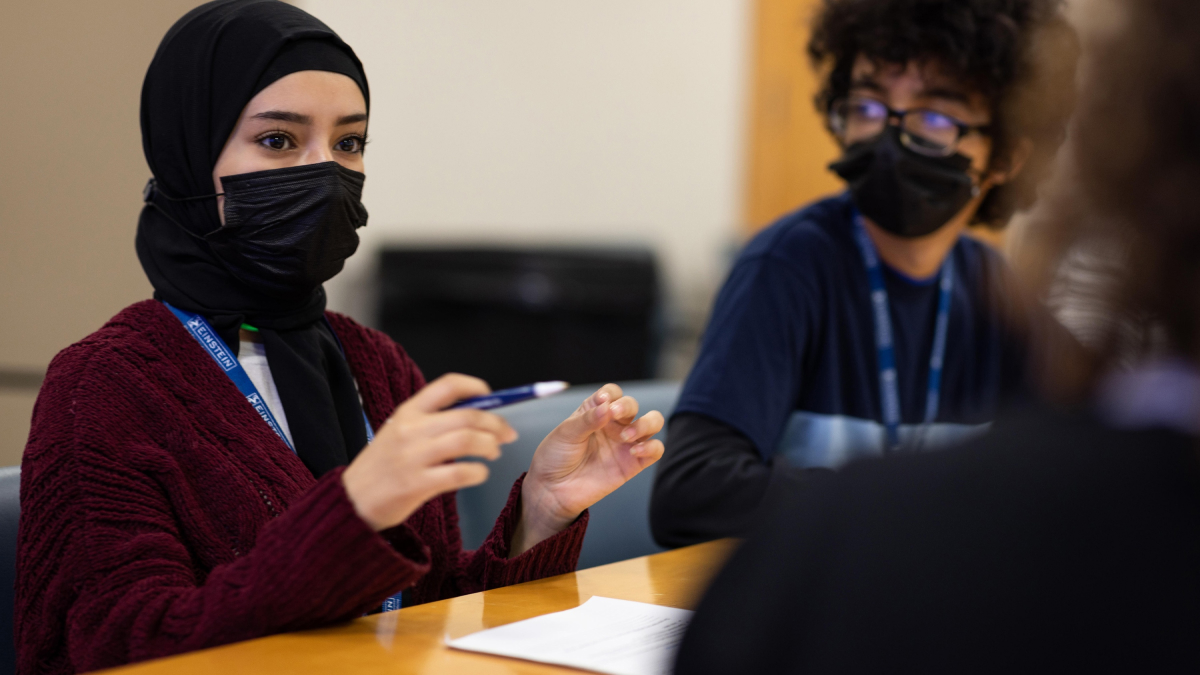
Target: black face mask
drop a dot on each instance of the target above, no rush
(290, 230)
(901, 191)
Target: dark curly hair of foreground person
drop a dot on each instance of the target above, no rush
(1020, 54)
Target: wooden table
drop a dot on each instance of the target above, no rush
(412, 640)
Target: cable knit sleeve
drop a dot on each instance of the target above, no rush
(109, 545)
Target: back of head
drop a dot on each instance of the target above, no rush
(1134, 169)
(1019, 54)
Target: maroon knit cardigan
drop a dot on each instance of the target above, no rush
(160, 515)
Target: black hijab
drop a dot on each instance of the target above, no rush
(208, 67)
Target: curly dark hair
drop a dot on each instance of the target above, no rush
(1129, 199)
(1020, 54)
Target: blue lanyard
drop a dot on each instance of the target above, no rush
(212, 343)
(885, 347)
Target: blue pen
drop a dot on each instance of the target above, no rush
(510, 396)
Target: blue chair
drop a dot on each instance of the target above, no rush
(619, 528)
(10, 513)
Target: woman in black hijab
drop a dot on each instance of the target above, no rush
(230, 460)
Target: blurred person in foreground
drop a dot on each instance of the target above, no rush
(868, 323)
(229, 460)
(1068, 540)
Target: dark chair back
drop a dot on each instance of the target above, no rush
(513, 316)
(10, 513)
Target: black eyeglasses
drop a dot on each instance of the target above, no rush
(922, 130)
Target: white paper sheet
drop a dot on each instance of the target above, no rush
(617, 637)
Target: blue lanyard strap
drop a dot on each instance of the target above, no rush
(367, 422)
(212, 343)
(889, 392)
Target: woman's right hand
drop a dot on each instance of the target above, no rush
(412, 457)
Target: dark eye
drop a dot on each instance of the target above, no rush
(935, 120)
(868, 109)
(351, 144)
(276, 142)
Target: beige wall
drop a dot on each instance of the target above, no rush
(621, 121)
(71, 177)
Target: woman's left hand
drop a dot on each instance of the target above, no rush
(592, 453)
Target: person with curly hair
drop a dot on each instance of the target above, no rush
(867, 323)
(1064, 541)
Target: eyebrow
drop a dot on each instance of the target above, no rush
(947, 94)
(297, 118)
(283, 116)
(942, 92)
(866, 82)
(351, 119)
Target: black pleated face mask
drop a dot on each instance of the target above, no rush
(901, 191)
(287, 231)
